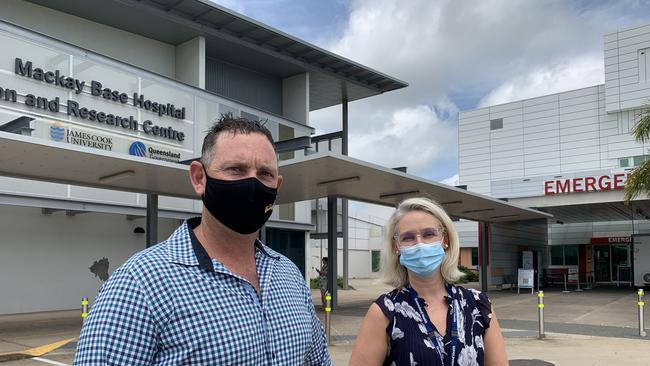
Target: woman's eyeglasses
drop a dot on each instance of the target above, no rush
(428, 235)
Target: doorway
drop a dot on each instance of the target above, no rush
(612, 263)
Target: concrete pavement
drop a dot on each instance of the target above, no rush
(596, 327)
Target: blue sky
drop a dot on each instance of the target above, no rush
(456, 55)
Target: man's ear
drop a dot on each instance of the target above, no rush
(197, 177)
(280, 180)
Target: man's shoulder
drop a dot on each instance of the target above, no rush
(283, 263)
(153, 257)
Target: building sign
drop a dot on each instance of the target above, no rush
(585, 184)
(611, 240)
(79, 137)
(138, 148)
(73, 108)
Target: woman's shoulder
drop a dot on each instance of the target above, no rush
(387, 300)
(472, 300)
(394, 295)
(468, 293)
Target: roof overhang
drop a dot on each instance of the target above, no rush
(59, 162)
(315, 176)
(239, 40)
(330, 174)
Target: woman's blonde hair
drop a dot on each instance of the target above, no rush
(394, 273)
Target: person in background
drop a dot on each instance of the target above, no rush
(322, 279)
(426, 319)
(211, 294)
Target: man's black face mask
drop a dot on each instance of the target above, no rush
(242, 205)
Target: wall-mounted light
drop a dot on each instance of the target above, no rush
(396, 194)
(479, 210)
(355, 178)
(117, 176)
(138, 230)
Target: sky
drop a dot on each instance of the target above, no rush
(456, 55)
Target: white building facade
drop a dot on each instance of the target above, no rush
(147, 83)
(569, 154)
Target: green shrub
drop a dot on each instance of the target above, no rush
(470, 275)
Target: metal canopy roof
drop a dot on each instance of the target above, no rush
(600, 212)
(239, 40)
(326, 174)
(316, 176)
(583, 207)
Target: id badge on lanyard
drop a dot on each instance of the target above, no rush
(429, 326)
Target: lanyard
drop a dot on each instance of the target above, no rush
(429, 325)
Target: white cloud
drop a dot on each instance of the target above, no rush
(462, 52)
(454, 180)
(573, 74)
(411, 136)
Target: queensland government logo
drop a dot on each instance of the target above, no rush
(138, 148)
(57, 132)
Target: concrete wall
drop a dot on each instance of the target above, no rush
(190, 62)
(627, 68)
(46, 258)
(295, 98)
(244, 85)
(127, 47)
(558, 135)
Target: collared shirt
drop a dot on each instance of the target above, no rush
(409, 340)
(171, 304)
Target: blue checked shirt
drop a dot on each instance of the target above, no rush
(171, 305)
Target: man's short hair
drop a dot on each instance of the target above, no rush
(230, 124)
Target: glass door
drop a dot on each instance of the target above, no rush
(602, 264)
(621, 267)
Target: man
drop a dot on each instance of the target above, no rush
(211, 294)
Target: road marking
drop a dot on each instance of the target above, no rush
(50, 361)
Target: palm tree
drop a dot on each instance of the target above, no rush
(639, 180)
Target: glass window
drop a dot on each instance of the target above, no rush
(638, 160)
(475, 256)
(571, 255)
(557, 255)
(624, 162)
(496, 124)
(376, 256)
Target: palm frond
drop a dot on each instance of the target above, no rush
(638, 182)
(641, 131)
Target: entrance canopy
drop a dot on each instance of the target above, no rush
(588, 207)
(330, 174)
(315, 176)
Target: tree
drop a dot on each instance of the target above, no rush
(638, 181)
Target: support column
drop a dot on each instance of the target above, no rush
(344, 201)
(152, 219)
(483, 250)
(332, 249)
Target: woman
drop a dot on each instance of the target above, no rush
(322, 280)
(426, 320)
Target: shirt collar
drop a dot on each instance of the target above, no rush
(187, 249)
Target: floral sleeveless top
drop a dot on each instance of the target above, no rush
(408, 339)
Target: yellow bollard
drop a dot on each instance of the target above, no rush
(84, 308)
(641, 304)
(328, 318)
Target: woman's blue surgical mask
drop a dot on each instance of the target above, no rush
(422, 259)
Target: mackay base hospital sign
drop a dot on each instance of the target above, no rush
(91, 120)
(55, 77)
